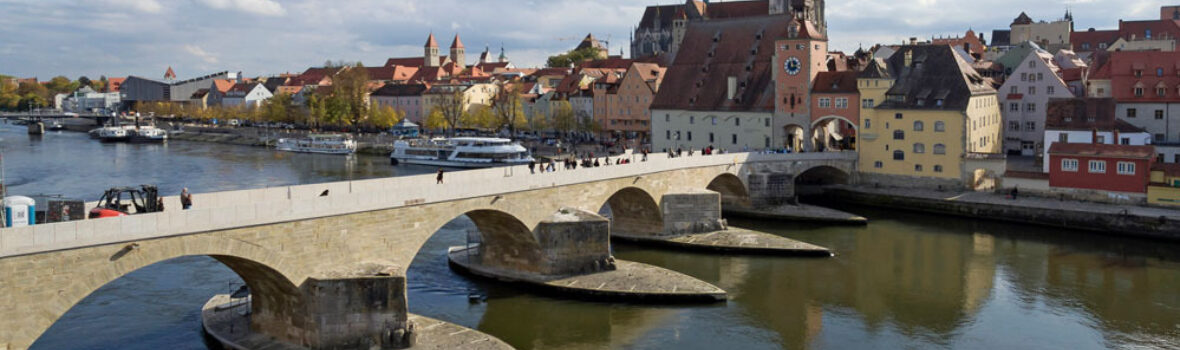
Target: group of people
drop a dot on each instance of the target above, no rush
(679, 152)
(586, 161)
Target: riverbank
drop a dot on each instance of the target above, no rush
(231, 137)
(1118, 220)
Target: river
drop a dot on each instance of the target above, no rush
(904, 281)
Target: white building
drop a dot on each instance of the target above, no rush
(246, 94)
(1024, 98)
(86, 100)
(1088, 121)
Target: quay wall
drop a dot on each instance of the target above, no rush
(1108, 223)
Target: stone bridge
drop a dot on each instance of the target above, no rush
(302, 253)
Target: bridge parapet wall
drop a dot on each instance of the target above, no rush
(691, 212)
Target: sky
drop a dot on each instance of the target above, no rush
(46, 38)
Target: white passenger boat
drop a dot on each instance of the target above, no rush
(460, 152)
(319, 143)
(148, 134)
(112, 134)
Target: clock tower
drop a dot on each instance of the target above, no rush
(799, 57)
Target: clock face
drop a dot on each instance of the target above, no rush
(792, 65)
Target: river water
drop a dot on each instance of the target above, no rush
(904, 281)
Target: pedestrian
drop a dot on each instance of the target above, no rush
(552, 165)
(532, 166)
(440, 175)
(1014, 193)
(186, 199)
(644, 155)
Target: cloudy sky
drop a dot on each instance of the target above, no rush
(45, 38)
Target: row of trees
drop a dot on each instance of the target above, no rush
(22, 96)
(505, 113)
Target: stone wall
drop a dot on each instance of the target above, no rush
(364, 309)
(691, 212)
(900, 181)
(575, 241)
(1108, 223)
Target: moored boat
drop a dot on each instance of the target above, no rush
(112, 134)
(319, 143)
(148, 134)
(460, 152)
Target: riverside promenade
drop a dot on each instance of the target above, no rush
(1114, 219)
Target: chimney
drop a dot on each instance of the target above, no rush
(732, 86)
(1116, 137)
(913, 41)
(1094, 136)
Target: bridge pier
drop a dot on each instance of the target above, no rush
(360, 307)
(769, 189)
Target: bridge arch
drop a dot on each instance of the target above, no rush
(733, 190)
(505, 241)
(823, 175)
(275, 297)
(634, 211)
(834, 132)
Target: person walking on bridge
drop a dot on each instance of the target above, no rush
(440, 176)
(186, 199)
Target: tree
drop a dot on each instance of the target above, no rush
(538, 122)
(588, 125)
(350, 86)
(31, 101)
(9, 99)
(453, 107)
(31, 88)
(508, 109)
(480, 116)
(435, 120)
(278, 109)
(384, 117)
(84, 81)
(61, 85)
(101, 85)
(564, 119)
(573, 57)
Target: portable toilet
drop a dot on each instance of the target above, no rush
(19, 211)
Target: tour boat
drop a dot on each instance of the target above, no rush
(56, 126)
(319, 143)
(460, 152)
(148, 134)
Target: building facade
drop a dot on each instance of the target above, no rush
(404, 98)
(1024, 99)
(1102, 167)
(1087, 121)
(939, 121)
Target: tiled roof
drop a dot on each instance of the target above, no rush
(1085, 114)
(223, 85)
(736, 9)
(406, 61)
(1124, 64)
(1022, 19)
(835, 83)
(698, 77)
(935, 73)
(199, 94)
(243, 87)
(401, 90)
(457, 44)
(1092, 38)
(1102, 150)
(1169, 169)
(877, 69)
(430, 42)
(1072, 74)
(1138, 30)
(1001, 38)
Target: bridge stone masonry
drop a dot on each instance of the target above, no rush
(329, 271)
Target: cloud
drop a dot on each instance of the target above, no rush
(148, 6)
(257, 7)
(200, 53)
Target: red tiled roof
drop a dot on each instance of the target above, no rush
(1093, 38)
(113, 84)
(1123, 67)
(1085, 114)
(223, 85)
(1072, 74)
(169, 74)
(735, 9)
(1169, 169)
(835, 83)
(430, 42)
(696, 81)
(1137, 30)
(456, 44)
(1102, 150)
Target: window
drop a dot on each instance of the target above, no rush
(1031, 107)
(939, 148)
(1015, 90)
(898, 135)
(1032, 90)
(737, 121)
(1138, 92)
(1063, 138)
(1159, 72)
(1040, 76)
(667, 118)
(868, 123)
(734, 139)
(918, 168)
(690, 135)
(1161, 91)
(667, 134)
(878, 164)
(1098, 166)
(939, 126)
(1049, 90)
(938, 168)
(767, 120)
(841, 103)
(713, 119)
(711, 138)
(867, 103)
(1014, 107)
(898, 155)
(1159, 114)
(1030, 126)
(1024, 76)
(1131, 112)
(1126, 168)
(918, 125)
(1138, 73)
(825, 102)
(1101, 139)
(1159, 138)
(1013, 126)
(897, 116)
(691, 119)
(1070, 165)
(919, 148)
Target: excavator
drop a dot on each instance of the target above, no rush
(122, 201)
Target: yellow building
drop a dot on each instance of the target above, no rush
(928, 120)
(1164, 189)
